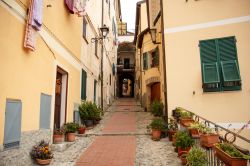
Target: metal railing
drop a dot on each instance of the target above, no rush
(212, 159)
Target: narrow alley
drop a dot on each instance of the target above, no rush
(125, 141)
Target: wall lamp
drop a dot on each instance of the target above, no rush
(153, 33)
(105, 30)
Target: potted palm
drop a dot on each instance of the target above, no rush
(196, 156)
(183, 141)
(42, 153)
(230, 155)
(58, 135)
(172, 128)
(157, 126)
(71, 129)
(156, 108)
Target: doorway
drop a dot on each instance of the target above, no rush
(126, 63)
(60, 97)
(155, 92)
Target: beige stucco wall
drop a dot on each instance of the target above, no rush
(183, 58)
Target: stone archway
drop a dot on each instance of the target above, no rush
(124, 79)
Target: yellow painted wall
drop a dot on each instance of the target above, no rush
(25, 74)
(180, 12)
(183, 59)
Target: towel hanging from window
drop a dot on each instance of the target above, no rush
(33, 24)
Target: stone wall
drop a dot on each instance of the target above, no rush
(20, 156)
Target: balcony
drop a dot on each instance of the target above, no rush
(125, 67)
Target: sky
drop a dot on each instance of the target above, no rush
(128, 13)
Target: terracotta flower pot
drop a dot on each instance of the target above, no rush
(170, 134)
(58, 138)
(156, 135)
(43, 162)
(183, 158)
(174, 140)
(228, 160)
(181, 150)
(208, 140)
(81, 130)
(186, 122)
(71, 137)
(194, 133)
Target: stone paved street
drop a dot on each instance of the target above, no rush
(121, 146)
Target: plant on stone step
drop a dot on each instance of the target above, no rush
(196, 157)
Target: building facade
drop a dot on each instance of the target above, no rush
(41, 89)
(149, 57)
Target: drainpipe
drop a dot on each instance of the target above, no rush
(164, 63)
(102, 58)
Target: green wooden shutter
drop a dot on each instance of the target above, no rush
(211, 73)
(227, 49)
(208, 51)
(229, 64)
(231, 74)
(209, 65)
(95, 82)
(84, 85)
(145, 61)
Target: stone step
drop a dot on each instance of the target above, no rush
(62, 146)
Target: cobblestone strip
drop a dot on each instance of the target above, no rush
(149, 152)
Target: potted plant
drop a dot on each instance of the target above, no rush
(58, 135)
(157, 126)
(196, 157)
(194, 129)
(230, 155)
(208, 138)
(42, 153)
(81, 129)
(86, 114)
(177, 113)
(186, 118)
(71, 129)
(183, 141)
(172, 128)
(156, 108)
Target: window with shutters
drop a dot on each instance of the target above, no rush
(155, 58)
(145, 61)
(219, 64)
(84, 85)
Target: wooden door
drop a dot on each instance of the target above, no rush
(155, 92)
(58, 100)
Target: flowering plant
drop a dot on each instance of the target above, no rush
(41, 151)
(59, 131)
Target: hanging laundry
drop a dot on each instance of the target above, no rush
(70, 5)
(29, 39)
(76, 7)
(37, 14)
(79, 7)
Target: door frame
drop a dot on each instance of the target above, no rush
(64, 95)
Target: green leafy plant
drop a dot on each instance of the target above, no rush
(196, 157)
(156, 108)
(90, 111)
(183, 140)
(185, 114)
(231, 150)
(71, 127)
(157, 124)
(59, 131)
(172, 125)
(41, 151)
